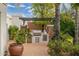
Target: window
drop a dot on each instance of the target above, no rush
(44, 37)
(37, 39)
(37, 34)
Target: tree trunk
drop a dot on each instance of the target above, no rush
(57, 21)
(42, 16)
(75, 41)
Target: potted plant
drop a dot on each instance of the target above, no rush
(12, 32)
(16, 49)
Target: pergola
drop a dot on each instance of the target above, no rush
(34, 19)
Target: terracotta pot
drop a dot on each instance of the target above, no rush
(15, 49)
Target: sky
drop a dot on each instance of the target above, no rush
(23, 9)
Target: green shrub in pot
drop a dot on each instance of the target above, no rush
(20, 37)
(16, 49)
(12, 32)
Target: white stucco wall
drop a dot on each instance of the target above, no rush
(9, 20)
(3, 31)
(15, 21)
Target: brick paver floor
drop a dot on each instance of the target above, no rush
(31, 49)
(35, 49)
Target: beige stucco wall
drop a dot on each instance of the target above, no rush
(3, 31)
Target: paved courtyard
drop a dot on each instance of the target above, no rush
(36, 49)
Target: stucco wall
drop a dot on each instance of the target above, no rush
(3, 31)
(16, 21)
(9, 20)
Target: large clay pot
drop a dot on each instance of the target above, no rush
(15, 49)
